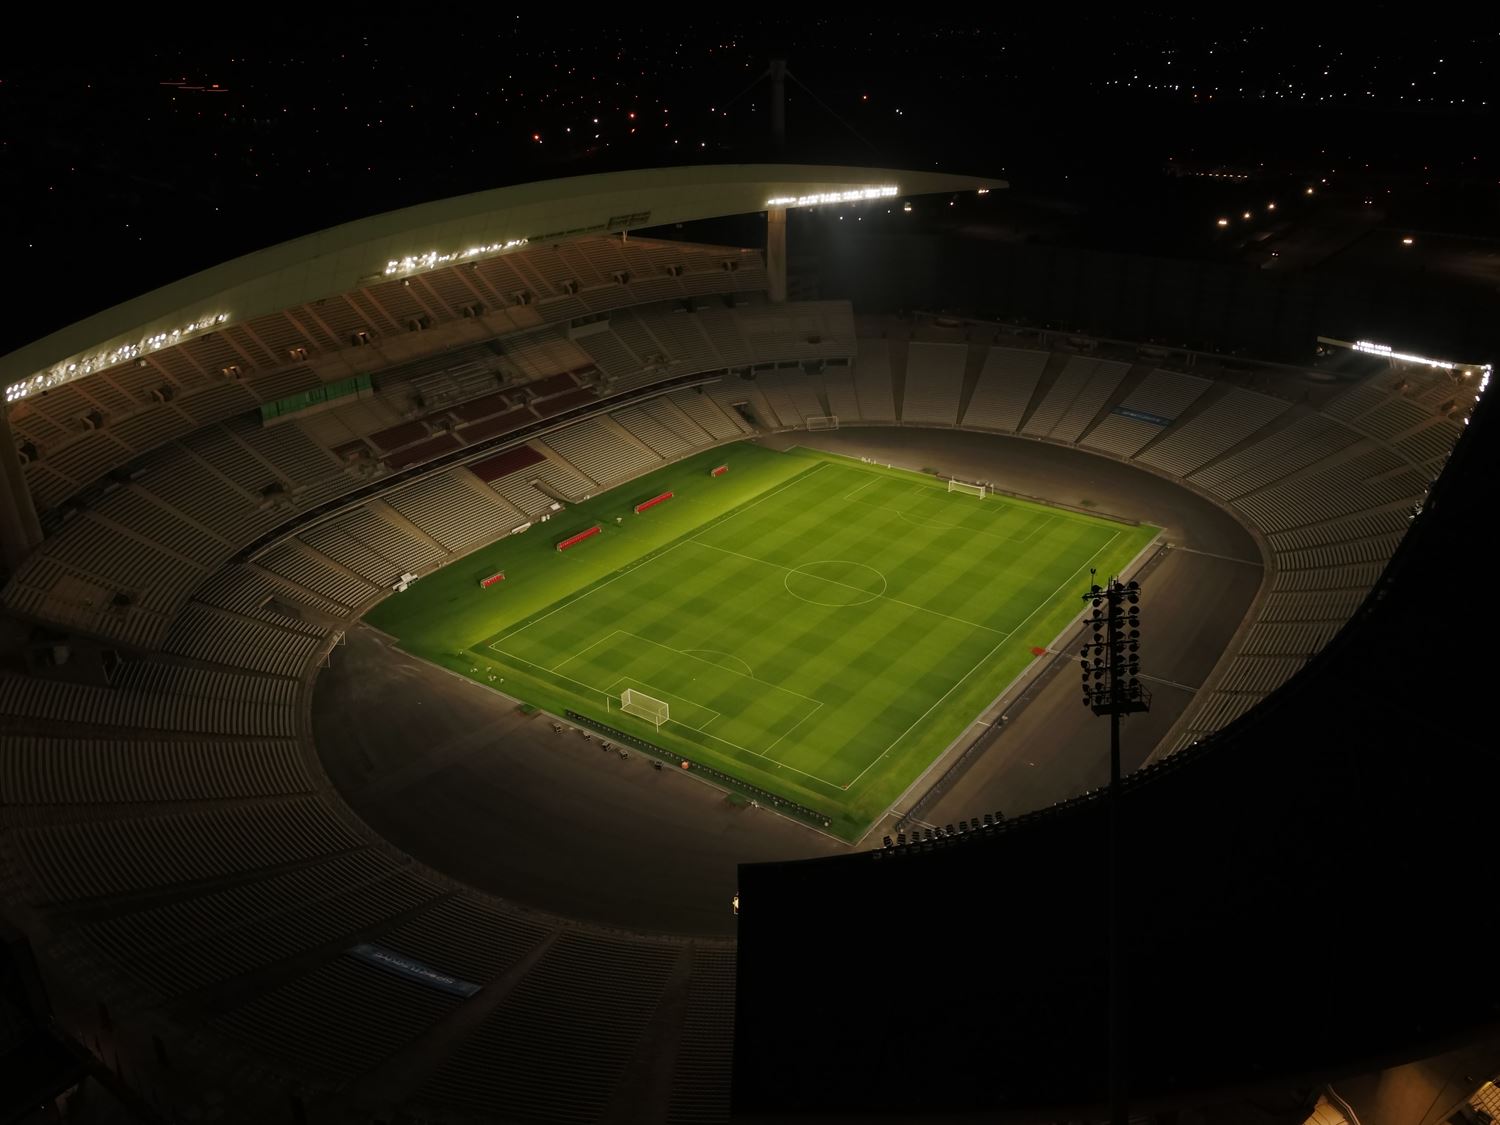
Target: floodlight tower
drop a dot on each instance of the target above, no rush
(1111, 686)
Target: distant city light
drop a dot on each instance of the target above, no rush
(1246, 215)
(1223, 222)
(1407, 241)
(1270, 206)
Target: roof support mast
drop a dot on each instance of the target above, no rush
(776, 216)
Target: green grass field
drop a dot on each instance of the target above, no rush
(820, 627)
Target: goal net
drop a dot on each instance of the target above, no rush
(971, 489)
(637, 703)
(822, 421)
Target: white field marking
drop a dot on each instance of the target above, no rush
(580, 652)
(542, 668)
(791, 728)
(971, 671)
(861, 488)
(835, 582)
(735, 745)
(1006, 501)
(922, 521)
(562, 605)
(744, 749)
(1035, 531)
(720, 667)
(779, 765)
(758, 500)
(936, 525)
(1042, 604)
(798, 569)
(749, 671)
(631, 568)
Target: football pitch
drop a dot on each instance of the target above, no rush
(819, 628)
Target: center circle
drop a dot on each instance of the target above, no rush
(835, 582)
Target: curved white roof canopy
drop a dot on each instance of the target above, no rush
(432, 235)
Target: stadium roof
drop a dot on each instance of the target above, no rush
(431, 235)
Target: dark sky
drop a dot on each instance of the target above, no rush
(131, 160)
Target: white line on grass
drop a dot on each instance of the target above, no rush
(580, 652)
(762, 498)
(778, 765)
(1035, 531)
(835, 582)
(631, 568)
(971, 671)
(749, 671)
(543, 668)
(606, 692)
(1042, 604)
(1020, 503)
(793, 727)
(715, 664)
(621, 573)
(745, 749)
(932, 525)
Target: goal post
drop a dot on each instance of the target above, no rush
(637, 703)
(822, 421)
(970, 489)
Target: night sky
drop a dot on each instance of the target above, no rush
(131, 161)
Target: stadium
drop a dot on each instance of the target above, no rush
(412, 626)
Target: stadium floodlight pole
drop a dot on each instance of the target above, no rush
(1111, 686)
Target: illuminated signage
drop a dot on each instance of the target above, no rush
(412, 969)
(76, 369)
(855, 195)
(414, 263)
